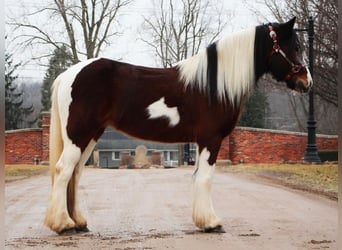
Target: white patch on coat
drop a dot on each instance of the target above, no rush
(203, 213)
(64, 99)
(159, 109)
(308, 75)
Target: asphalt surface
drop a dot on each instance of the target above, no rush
(151, 209)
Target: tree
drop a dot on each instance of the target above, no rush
(15, 113)
(59, 62)
(179, 28)
(88, 26)
(255, 110)
(325, 40)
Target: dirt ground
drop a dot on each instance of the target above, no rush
(151, 209)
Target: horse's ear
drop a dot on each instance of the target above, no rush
(287, 28)
(291, 23)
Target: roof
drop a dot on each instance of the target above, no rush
(111, 140)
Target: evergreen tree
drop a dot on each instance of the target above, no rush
(59, 62)
(15, 113)
(255, 110)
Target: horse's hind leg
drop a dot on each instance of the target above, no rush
(72, 194)
(203, 213)
(57, 216)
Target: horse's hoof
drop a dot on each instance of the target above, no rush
(68, 231)
(218, 229)
(82, 230)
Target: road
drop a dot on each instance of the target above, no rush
(151, 209)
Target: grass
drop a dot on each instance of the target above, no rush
(322, 179)
(23, 171)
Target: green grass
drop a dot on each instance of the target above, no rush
(315, 178)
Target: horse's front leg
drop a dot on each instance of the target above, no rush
(203, 213)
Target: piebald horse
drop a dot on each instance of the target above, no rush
(199, 100)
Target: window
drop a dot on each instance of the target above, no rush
(170, 155)
(115, 155)
(173, 155)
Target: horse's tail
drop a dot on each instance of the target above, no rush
(56, 141)
(56, 145)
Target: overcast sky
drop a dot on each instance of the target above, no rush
(128, 47)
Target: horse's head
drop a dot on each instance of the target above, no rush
(285, 59)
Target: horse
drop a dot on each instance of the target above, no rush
(198, 100)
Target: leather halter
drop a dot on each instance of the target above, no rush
(295, 68)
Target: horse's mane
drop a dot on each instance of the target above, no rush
(225, 69)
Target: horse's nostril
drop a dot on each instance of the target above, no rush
(300, 85)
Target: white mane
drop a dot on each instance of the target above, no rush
(235, 67)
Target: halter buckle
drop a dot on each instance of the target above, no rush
(276, 47)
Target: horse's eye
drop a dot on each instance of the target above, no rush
(297, 48)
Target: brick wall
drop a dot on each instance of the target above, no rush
(250, 145)
(23, 146)
(247, 145)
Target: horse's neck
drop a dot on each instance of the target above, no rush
(260, 52)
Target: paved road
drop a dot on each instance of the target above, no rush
(151, 209)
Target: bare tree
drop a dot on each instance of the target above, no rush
(177, 29)
(88, 25)
(325, 40)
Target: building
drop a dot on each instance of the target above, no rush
(112, 143)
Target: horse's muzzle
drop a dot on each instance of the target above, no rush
(301, 86)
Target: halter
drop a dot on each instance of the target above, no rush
(295, 68)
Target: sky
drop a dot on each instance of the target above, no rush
(128, 47)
